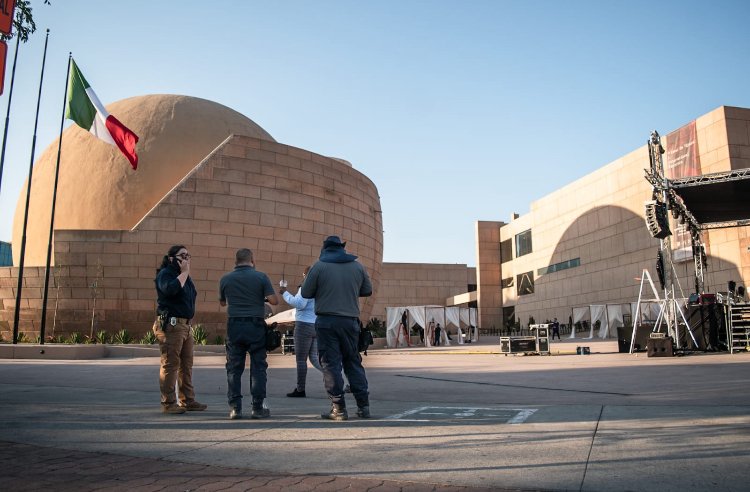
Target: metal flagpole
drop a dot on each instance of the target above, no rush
(7, 114)
(28, 197)
(54, 200)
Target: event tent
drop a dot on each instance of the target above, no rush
(453, 316)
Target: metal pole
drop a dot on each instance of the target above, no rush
(28, 197)
(7, 114)
(54, 201)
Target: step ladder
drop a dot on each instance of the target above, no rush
(739, 327)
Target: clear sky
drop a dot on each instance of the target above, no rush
(458, 111)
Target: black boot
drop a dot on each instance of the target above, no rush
(338, 412)
(363, 412)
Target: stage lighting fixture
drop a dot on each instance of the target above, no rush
(731, 285)
(656, 140)
(741, 292)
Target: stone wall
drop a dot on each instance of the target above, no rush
(277, 200)
(417, 284)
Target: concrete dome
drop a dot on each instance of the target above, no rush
(97, 188)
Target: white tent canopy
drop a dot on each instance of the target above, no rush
(609, 316)
(282, 317)
(448, 317)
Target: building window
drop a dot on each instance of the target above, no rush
(6, 254)
(563, 265)
(507, 282)
(506, 251)
(523, 243)
(525, 283)
(471, 288)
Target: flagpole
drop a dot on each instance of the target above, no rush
(7, 114)
(54, 201)
(28, 197)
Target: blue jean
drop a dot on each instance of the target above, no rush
(246, 335)
(305, 346)
(338, 338)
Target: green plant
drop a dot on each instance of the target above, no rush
(376, 327)
(102, 337)
(55, 339)
(74, 338)
(219, 340)
(199, 335)
(122, 337)
(149, 338)
(22, 338)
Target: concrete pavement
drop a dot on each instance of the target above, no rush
(444, 419)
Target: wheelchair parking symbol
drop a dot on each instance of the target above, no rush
(426, 414)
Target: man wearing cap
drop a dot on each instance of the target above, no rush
(336, 282)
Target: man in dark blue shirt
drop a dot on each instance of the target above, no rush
(176, 295)
(246, 290)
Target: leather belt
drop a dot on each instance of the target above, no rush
(182, 321)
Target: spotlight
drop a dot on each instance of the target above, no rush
(731, 286)
(741, 292)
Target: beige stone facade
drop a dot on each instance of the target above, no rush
(588, 240)
(598, 223)
(418, 284)
(247, 192)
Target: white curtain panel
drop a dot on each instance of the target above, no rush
(614, 318)
(392, 320)
(579, 314)
(433, 313)
(598, 313)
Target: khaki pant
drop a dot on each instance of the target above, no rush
(176, 345)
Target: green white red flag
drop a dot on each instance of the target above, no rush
(88, 112)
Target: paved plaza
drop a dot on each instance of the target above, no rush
(453, 418)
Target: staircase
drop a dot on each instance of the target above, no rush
(739, 325)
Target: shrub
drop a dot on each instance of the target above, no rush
(122, 337)
(55, 339)
(102, 337)
(219, 340)
(149, 338)
(74, 338)
(377, 327)
(199, 335)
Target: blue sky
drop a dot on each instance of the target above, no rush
(457, 110)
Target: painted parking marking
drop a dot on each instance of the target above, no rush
(430, 413)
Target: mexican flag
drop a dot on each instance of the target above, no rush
(88, 112)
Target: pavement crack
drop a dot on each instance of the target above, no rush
(512, 385)
(591, 448)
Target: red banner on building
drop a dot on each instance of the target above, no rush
(6, 16)
(682, 160)
(3, 56)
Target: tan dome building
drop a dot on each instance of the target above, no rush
(209, 178)
(96, 192)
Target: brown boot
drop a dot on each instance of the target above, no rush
(172, 408)
(194, 406)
